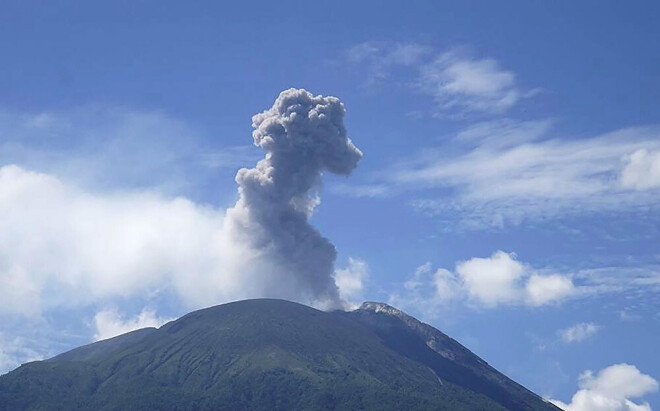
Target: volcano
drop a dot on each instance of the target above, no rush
(267, 354)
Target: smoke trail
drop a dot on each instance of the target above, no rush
(303, 135)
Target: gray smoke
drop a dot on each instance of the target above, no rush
(303, 135)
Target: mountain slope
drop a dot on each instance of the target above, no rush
(445, 356)
(270, 354)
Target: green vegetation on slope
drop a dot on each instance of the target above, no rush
(259, 354)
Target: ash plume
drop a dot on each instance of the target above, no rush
(303, 136)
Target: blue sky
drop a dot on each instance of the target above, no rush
(508, 193)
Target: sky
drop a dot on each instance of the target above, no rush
(492, 168)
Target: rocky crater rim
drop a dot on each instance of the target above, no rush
(382, 308)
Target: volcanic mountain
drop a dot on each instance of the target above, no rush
(269, 354)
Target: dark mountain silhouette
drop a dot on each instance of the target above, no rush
(270, 354)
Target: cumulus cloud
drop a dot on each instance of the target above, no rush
(429, 290)
(63, 246)
(351, 280)
(542, 289)
(446, 286)
(642, 170)
(486, 282)
(492, 280)
(109, 323)
(502, 279)
(611, 390)
(578, 332)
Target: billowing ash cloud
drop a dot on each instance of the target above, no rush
(63, 246)
(303, 136)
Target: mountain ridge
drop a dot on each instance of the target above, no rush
(270, 354)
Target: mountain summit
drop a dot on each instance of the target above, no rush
(269, 354)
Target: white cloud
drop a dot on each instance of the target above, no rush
(363, 51)
(14, 352)
(447, 287)
(108, 323)
(486, 282)
(428, 290)
(381, 58)
(611, 390)
(642, 170)
(492, 280)
(66, 247)
(109, 148)
(578, 332)
(443, 283)
(362, 190)
(504, 171)
(383, 54)
(350, 281)
(503, 132)
(502, 279)
(502, 177)
(621, 279)
(542, 289)
(457, 82)
(6, 362)
(462, 83)
(627, 315)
